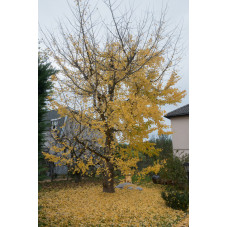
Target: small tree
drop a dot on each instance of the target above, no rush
(116, 83)
(163, 142)
(44, 90)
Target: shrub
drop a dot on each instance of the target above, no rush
(174, 171)
(178, 200)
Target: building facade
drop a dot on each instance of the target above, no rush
(65, 130)
(180, 128)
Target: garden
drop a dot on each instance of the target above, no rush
(98, 107)
(84, 204)
(163, 200)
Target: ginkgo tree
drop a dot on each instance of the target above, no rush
(115, 77)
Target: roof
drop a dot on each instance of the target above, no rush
(53, 115)
(182, 111)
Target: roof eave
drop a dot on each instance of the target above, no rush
(178, 115)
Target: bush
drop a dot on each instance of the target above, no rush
(174, 171)
(178, 200)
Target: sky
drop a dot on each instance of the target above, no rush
(50, 11)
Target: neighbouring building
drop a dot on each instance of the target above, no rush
(180, 128)
(65, 129)
(54, 121)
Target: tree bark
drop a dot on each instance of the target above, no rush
(77, 177)
(108, 182)
(52, 171)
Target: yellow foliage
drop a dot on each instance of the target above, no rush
(155, 168)
(117, 92)
(126, 166)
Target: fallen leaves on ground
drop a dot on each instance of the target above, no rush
(87, 205)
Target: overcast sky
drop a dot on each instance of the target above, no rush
(178, 14)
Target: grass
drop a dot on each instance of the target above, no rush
(65, 203)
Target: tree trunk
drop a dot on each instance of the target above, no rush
(108, 182)
(52, 171)
(77, 177)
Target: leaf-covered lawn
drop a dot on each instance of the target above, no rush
(87, 205)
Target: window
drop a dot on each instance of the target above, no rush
(54, 124)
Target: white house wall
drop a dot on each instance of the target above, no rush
(180, 137)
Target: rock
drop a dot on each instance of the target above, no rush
(139, 188)
(130, 188)
(155, 179)
(122, 185)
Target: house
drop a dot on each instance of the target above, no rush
(180, 128)
(63, 129)
(54, 122)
